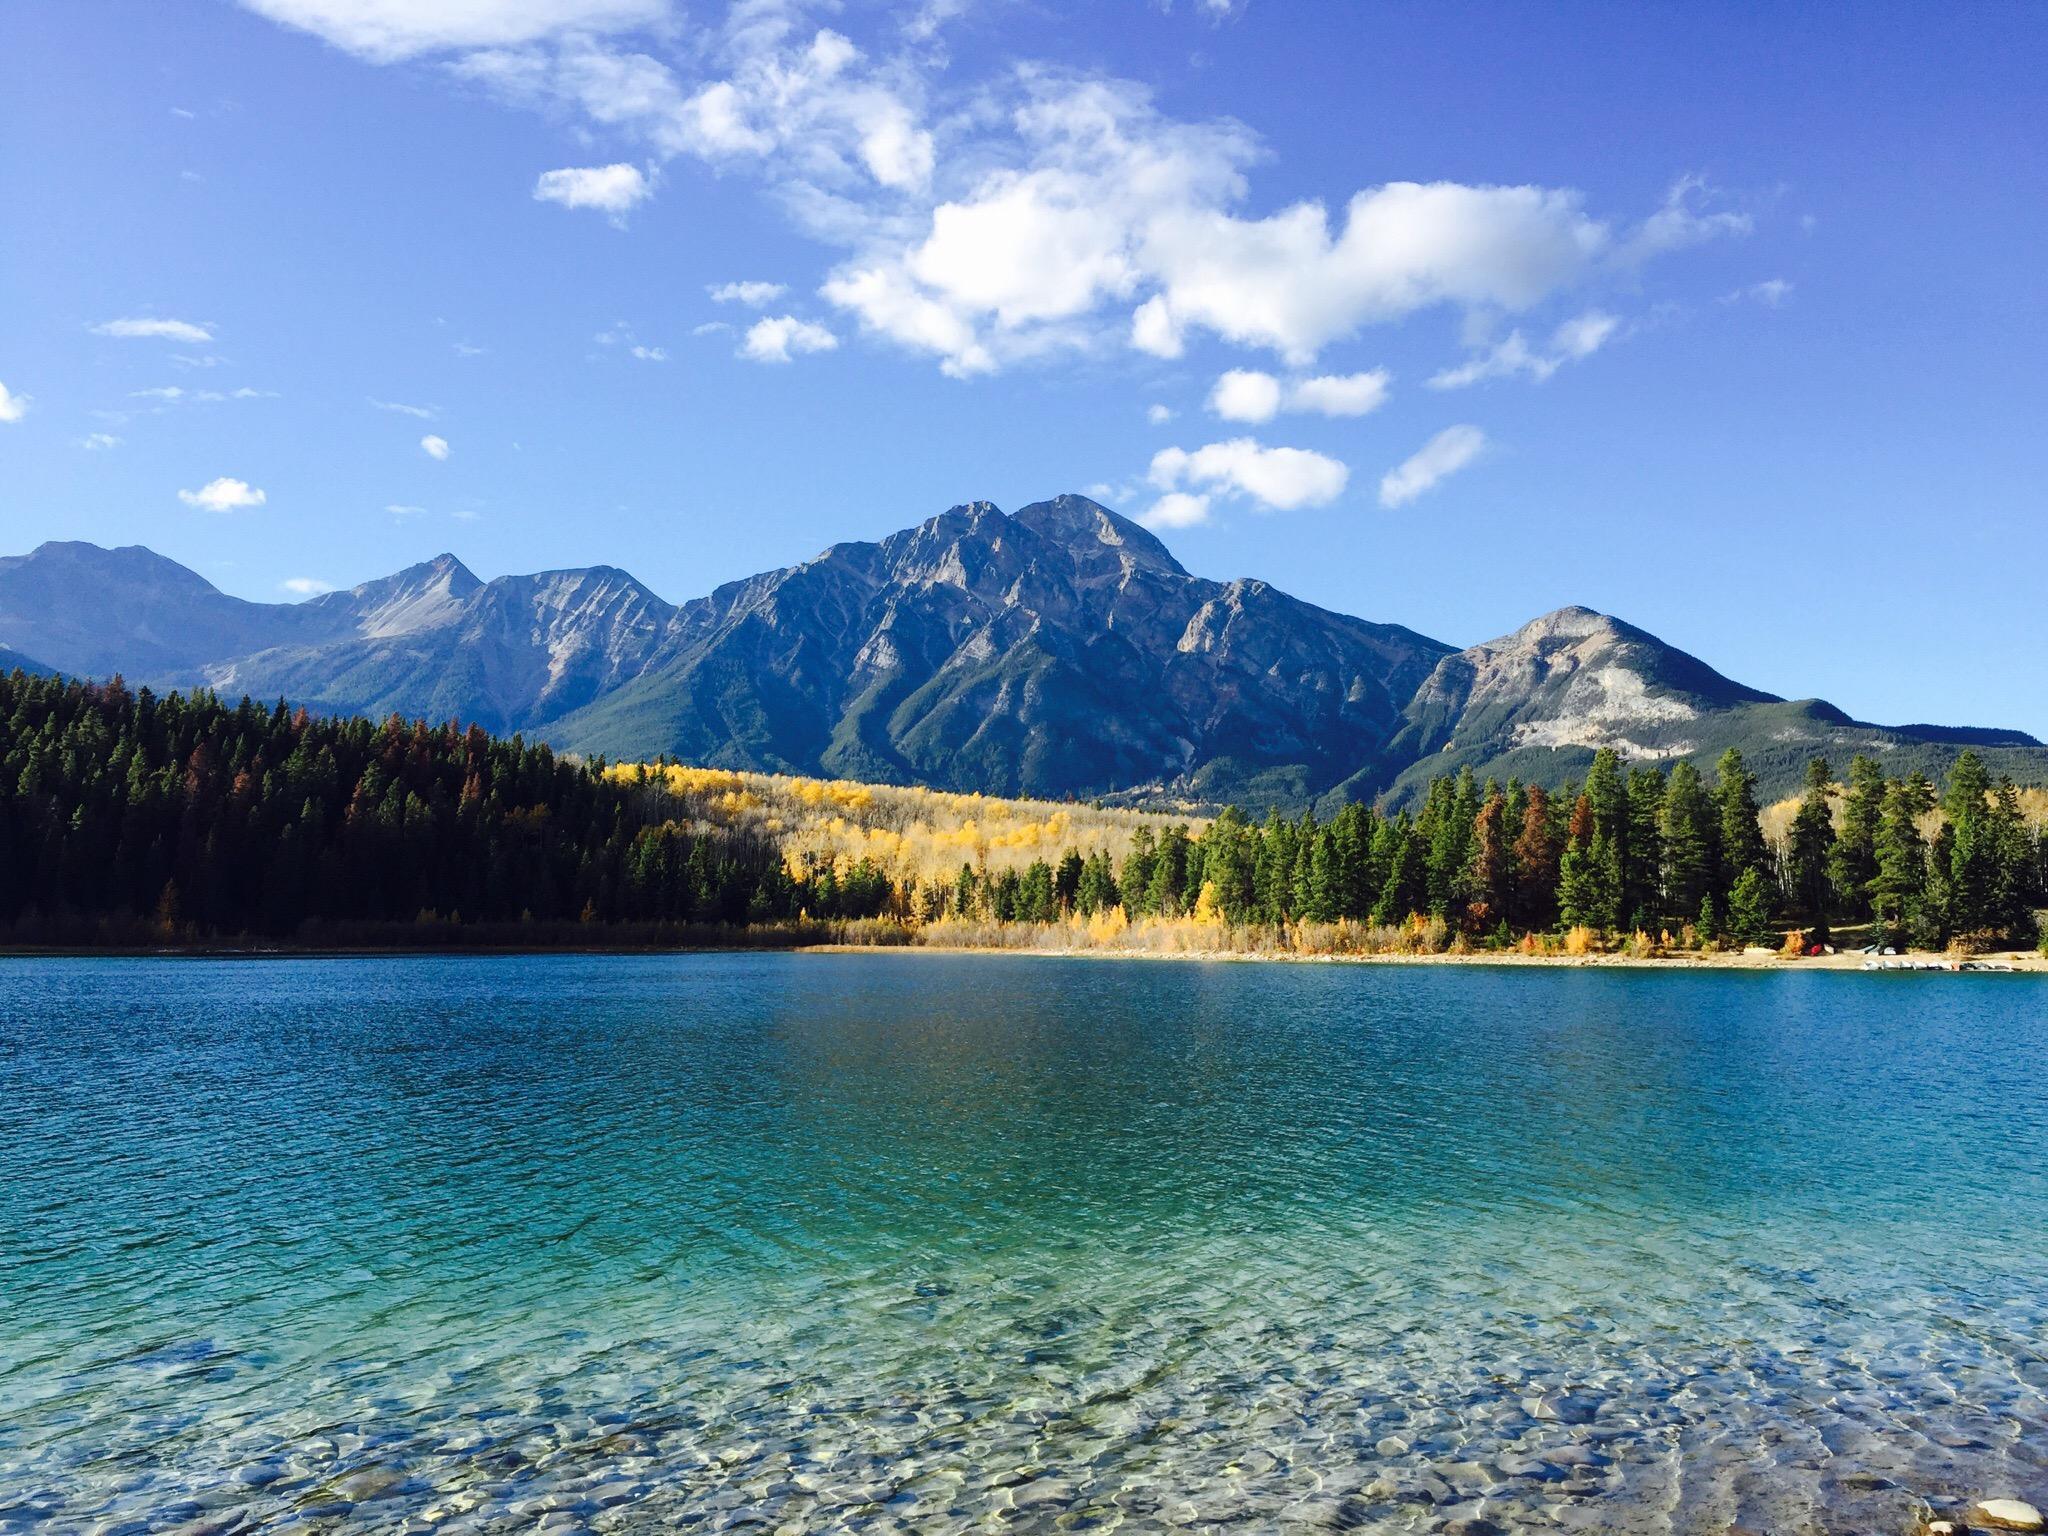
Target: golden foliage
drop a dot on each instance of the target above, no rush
(917, 837)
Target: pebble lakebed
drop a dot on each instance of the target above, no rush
(1209, 1363)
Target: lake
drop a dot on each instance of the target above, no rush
(913, 1242)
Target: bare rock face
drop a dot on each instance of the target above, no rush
(1060, 650)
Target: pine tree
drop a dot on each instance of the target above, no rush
(1536, 863)
(1812, 846)
(1687, 834)
(1899, 887)
(1852, 863)
(1749, 907)
(1741, 841)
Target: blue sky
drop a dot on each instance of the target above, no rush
(1729, 320)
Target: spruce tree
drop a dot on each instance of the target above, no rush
(1812, 845)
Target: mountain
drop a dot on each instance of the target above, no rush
(1062, 650)
(1538, 703)
(12, 661)
(1058, 651)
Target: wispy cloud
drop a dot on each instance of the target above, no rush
(305, 586)
(1770, 293)
(418, 412)
(142, 328)
(1435, 461)
(1513, 357)
(752, 294)
(99, 442)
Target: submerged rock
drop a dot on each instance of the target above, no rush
(2007, 1515)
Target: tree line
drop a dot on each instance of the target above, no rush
(1632, 849)
(182, 816)
(201, 819)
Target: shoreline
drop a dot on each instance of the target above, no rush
(1919, 962)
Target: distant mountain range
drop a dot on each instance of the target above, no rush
(1060, 650)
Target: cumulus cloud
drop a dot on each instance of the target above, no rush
(778, 339)
(306, 586)
(12, 406)
(225, 494)
(99, 442)
(1243, 394)
(751, 294)
(1275, 479)
(389, 30)
(1159, 415)
(1513, 357)
(612, 189)
(1340, 394)
(1443, 455)
(1041, 214)
(435, 447)
(144, 329)
(648, 354)
(1176, 509)
(1247, 395)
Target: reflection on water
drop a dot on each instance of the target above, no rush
(932, 1243)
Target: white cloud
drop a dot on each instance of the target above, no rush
(1583, 335)
(1511, 357)
(164, 392)
(224, 494)
(1277, 479)
(613, 189)
(404, 509)
(1770, 293)
(306, 586)
(1031, 215)
(1679, 222)
(1293, 283)
(435, 447)
(1158, 415)
(12, 406)
(387, 30)
(752, 294)
(99, 442)
(1176, 509)
(1340, 394)
(183, 360)
(420, 412)
(710, 328)
(778, 339)
(468, 349)
(1443, 455)
(140, 329)
(1245, 395)
(649, 354)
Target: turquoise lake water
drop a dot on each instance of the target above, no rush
(932, 1243)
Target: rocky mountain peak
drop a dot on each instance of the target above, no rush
(1087, 530)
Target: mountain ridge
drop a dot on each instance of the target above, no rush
(1059, 651)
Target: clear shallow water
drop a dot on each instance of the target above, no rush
(928, 1243)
